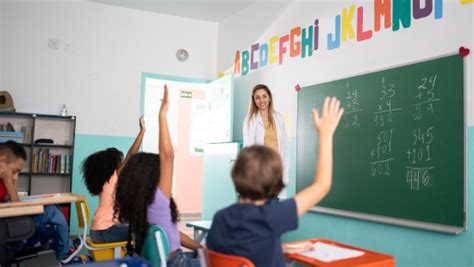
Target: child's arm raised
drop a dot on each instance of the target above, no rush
(135, 146)
(165, 148)
(325, 126)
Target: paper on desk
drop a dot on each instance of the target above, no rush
(39, 197)
(328, 253)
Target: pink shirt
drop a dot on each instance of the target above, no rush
(104, 215)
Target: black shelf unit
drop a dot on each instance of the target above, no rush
(42, 126)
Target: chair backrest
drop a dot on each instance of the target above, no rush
(17, 228)
(98, 251)
(156, 246)
(216, 259)
(82, 210)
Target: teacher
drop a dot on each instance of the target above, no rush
(264, 126)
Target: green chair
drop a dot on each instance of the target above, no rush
(156, 246)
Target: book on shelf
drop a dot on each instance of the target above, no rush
(10, 127)
(46, 162)
(14, 136)
(7, 132)
(27, 130)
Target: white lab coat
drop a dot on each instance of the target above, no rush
(254, 134)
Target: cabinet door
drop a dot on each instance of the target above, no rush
(218, 188)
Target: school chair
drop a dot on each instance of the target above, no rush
(216, 259)
(98, 251)
(12, 230)
(156, 246)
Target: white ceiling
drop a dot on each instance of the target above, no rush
(211, 10)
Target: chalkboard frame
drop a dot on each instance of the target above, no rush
(399, 221)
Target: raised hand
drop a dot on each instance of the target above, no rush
(164, 102)
(165, 148)
(327, 123)
(141, 122)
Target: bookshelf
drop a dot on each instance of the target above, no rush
(48, 167)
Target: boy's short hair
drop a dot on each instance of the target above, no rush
(258, 173)
(12, 150)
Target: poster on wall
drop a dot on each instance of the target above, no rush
(199, 112)
(197, 129)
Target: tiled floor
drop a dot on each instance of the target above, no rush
(46, 259)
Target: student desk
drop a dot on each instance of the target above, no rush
(14, 214)
(200, 229)
(41, 200)
(20, 211)
(368, 259)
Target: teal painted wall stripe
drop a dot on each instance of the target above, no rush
(410, 247)
(83, 147)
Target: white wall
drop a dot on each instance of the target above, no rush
(241, 29)
(425, 38)
(102, 52)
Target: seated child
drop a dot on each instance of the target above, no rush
(51, 224)
(143, 196)
(100, 171)
(252, 227)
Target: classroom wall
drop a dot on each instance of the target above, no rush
(425, 38)
(102, 52)
(97, 69)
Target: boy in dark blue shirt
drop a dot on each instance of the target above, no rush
(252, 227)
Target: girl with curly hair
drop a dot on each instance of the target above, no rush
(143, 196)
(100, 171)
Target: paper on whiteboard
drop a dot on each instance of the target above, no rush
(328, 253)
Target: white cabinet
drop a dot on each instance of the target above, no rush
(218, 188)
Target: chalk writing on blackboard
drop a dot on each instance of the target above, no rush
(426, 96)
(419, 174)
(399, 152)
(351, 107)
(383, 118)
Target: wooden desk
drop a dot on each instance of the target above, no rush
(369, 259)
(200, 229)
(27, 206)
(20, 211)
(34, 204)
(46, 199)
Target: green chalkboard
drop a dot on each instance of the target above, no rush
(399, 149)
